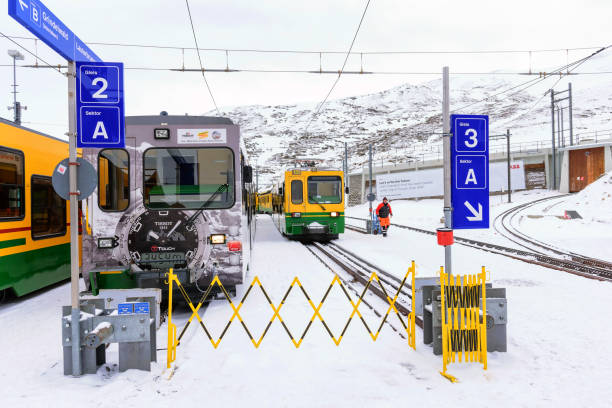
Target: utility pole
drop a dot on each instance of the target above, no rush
(448, 212)
(554, 150)
(346, 175)
(571, 124)
(370, 196)
(508, 154)
(16, 55)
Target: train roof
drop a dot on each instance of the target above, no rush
(177, 120)
(13, 124)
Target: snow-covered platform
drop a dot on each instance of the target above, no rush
(557, 352)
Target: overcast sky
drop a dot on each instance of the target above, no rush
(313, 25)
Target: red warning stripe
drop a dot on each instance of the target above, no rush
(6, 231)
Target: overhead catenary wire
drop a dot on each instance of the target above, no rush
(290, 51)
(31, 53)
(195, 39)
(342, 69)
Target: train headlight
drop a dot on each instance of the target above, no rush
(217, 239)
(296, 215)
(107, 243)
(334, 214)
(234, 246)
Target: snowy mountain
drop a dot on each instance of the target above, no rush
(405, 121)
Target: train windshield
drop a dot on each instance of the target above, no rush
(188, 178)
(324, 189)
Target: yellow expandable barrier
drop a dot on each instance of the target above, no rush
(464, 327)
(173, 341)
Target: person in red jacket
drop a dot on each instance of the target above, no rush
(383, 211)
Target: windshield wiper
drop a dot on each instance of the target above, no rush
(203, 206)
(321, 205)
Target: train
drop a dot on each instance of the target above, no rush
(179, 195)
(265, 202)
(309, 203)
(34, 220)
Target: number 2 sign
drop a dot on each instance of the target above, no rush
(100, 106)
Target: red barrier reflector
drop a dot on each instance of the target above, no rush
(445, 236)
(234, 246)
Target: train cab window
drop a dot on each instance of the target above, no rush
(12, 198)
(189, 178)
(48, 209)
(297, 194)
(324, 189)
(113, 180)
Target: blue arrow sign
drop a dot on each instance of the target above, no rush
(41, 22)
(470, 171)
(100, 107)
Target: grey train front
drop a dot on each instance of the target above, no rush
(178, 196)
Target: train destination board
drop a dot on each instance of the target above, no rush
(470, 171)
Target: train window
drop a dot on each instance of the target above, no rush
(48, 209)
(113, 180)
(324, 189)
(191, 178)
(12, 197)
(297, 195)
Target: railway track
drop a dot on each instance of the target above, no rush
(504, 225)
(333, 256)
(563, 261)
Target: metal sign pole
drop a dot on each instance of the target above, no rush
(571, 124)
(74, 221)
(370, 164)
(448, 212)
(554, 150)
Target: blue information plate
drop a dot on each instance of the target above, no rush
(470, 171)
(100, 107)
(141, 308)
(125, 308)
(41, 22)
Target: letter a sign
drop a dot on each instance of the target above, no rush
(470, 171)
(100, 111)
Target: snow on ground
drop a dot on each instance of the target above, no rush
(551, 360)
(590, 236)
(428, 214)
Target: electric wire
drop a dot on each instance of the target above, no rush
(288, 51)
(340, 72)
(200, 59)
(30, 52)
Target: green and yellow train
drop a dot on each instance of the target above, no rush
(309, 203)
(34, 220)
(265, 202)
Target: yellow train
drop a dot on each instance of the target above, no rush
(265, 202)
(309, 203)
(34, 220)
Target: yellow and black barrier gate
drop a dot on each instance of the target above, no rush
(174, 341)
(464, 325)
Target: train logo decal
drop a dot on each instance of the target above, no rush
(203, 135)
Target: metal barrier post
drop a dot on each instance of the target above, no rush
(171, 355)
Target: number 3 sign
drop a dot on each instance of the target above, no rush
(100, 107)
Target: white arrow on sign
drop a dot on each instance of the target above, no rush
(477, 214)
(23, 4)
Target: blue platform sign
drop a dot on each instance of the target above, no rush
(41, 22)
(100, 108)
(470, 171)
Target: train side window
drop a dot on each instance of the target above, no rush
(12, 197)
(48, 209)
(297, 195)
(113, 180)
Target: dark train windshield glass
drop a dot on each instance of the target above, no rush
(324, 189)
(189, 178)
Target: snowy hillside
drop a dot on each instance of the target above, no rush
(405, 121)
